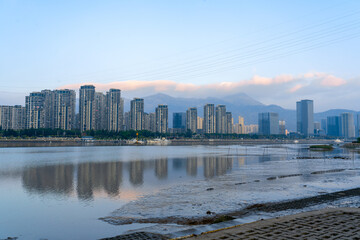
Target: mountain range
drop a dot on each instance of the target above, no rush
(239, 104)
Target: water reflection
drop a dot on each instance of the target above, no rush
(136, 172)
(216, 166)
(98, 176)
(161, 168)
(191, 166)
(56, 179)
(86, 180)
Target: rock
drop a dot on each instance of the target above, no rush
(271, 178)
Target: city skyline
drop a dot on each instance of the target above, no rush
(278, 54)
(97, 111)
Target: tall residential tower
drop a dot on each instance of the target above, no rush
(87, 107)
(305, 117)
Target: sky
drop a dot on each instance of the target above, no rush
(277, 52)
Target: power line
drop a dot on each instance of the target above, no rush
(197, 59)
(256, 53)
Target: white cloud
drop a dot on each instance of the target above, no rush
(327, 90)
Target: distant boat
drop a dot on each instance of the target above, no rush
(159, 142)
(135, 141)
(338, 141)
(296, 141)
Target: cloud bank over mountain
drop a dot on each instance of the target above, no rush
(327, 90)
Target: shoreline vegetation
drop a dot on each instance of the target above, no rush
(64, 142)
(59, 137)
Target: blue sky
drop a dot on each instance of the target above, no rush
(275, 51)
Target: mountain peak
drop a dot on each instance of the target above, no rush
(242, 99)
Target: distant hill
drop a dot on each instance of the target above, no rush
(239, 104)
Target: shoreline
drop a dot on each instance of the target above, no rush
(77, 142)
(266, 207)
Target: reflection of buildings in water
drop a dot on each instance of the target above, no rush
(53, 179)
(112, 173)
(209, 167)
(241, 161)
(84, 181)
(136, 169)
(216, 166)
(267, 158)
(191, 166)
(178, 163)
(161, 168)
(98, 176)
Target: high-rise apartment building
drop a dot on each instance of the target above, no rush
(229, 122)
(192, 119)
(161, 118)
(137, 114)
(347, 125)
(200, 123)
(48, 108)
(35, 112)
(305, 117)
(87, 107)
(333, 126)
(147, 121)
(127, 121)
(209, 125)
(251, 129)
(100, 111)
(115, 110)
(152, 117)
(220, 119)
(6, 117)
(63, 112)
(282, 129)
(268, 123)
(18, 117)
(241, 120)
(323, 126)
(317, 128)
(179, 120)
(358, 125)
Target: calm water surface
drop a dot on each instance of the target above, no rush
(60, 192)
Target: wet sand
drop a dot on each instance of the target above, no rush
(269, 207)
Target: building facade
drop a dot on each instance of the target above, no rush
(63, 114)
(192, 119)
(34, 104)
(209, 125)
(87, 107)
(333, 126)
(18, 117)
(220, 119)
(179, 120)
(100, 111)
(162, 118)
(114, 110)
(6, 117)
(229, 122)
(268, 123)
(305, 117)
(137, 114)
(347, 125)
